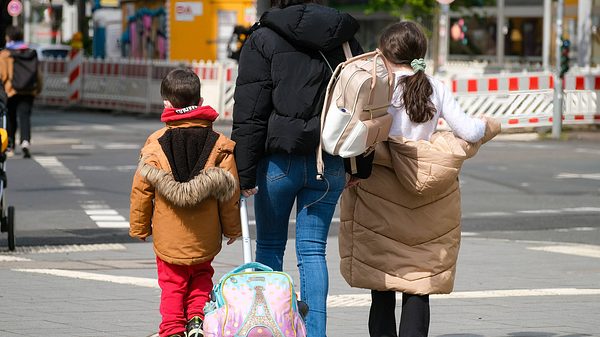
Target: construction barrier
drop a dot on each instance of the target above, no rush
(130, 85)
(518, 100)
(526, 100)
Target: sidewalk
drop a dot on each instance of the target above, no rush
(503, 288)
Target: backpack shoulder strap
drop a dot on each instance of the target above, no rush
(347, 50)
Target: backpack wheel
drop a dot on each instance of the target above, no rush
(10, 227)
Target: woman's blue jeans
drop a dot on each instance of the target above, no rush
(283, 179)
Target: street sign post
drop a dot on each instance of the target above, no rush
(558, 88)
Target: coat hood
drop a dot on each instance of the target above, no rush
(430, 167)
(311, 26)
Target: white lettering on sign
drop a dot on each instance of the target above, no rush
(186, 11)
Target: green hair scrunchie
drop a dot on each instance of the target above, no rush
(418, 64)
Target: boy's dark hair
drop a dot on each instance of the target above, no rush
(181, 87)
(286, 3)
(401, 43)
(14, 33)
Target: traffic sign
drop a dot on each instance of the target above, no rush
(14, 8)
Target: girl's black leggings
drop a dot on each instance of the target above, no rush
(414, 320)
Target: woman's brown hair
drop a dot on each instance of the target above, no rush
(401, 43)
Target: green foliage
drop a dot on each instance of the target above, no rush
(411, 9)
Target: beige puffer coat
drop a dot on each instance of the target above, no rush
(400, 228)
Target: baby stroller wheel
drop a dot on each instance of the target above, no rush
(10, 227)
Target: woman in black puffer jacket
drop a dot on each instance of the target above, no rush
(283, 73)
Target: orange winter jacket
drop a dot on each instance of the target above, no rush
(186, 219)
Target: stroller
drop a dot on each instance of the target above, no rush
(7, 213)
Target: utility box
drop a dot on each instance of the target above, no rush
(201, 30)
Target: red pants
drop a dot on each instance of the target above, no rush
(185, 290)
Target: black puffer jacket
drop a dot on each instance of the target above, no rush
(281, 82)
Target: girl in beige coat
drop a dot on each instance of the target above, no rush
(400, 227)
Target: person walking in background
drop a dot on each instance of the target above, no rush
(185, 194)
(400, 227)
(280, 89)
(20, 75)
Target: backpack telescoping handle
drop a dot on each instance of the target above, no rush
(246, 243)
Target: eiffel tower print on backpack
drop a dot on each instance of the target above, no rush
(252, 300)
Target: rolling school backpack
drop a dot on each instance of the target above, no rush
(252, 300)
(25, 70)
(354, 116)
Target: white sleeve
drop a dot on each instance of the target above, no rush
(468, 128)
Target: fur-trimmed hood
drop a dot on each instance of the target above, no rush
(210, 182)
(185, 192)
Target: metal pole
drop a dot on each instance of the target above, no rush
(584, 33)
(27, 20)
(500, 32)
(443, 37)
(246, 242)
(547, 32)
(558, 89)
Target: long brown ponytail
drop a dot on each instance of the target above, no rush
(401, 43)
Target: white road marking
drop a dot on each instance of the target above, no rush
(83, 147)
(576, 229)
(579, 250)
(350, 300)
(101, 212)
(120, 168)
(584, 150)
(540, 211)
(486, 214)
(58, 171)
(107, 218)
(135, 281)
(69, 248)
(103, 216)
(592, 176)
(9, 258)
(364, 300)
(112, 224)
(582, 209)
(121, 146)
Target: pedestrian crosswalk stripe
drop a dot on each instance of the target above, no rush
(103, 216)
(112, 224)
(101, 212)
(58, 171)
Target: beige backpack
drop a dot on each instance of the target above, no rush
(354, 116)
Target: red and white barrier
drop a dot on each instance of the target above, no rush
(129, 85)
(517, 100)
(503, 83)
(74, 73)
(527, 100)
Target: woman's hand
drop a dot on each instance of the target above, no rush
(250, 192)
(353, 182)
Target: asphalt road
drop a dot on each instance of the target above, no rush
(539, 190)
(529, 263)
